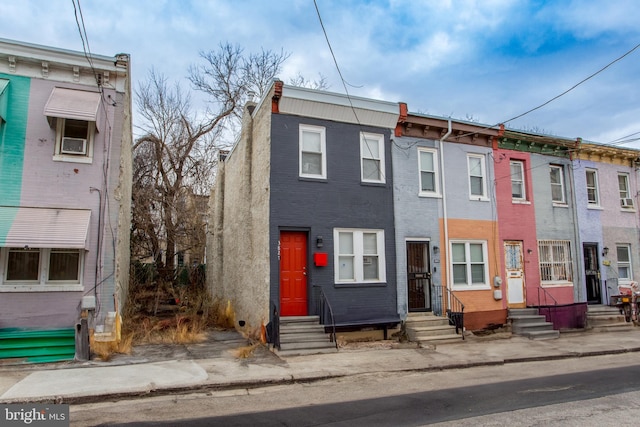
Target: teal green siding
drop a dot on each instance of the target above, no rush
(37, 346)
(12, 140)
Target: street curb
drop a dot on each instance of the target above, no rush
(252, 384)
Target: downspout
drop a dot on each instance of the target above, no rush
(445, 222)
(581, 273)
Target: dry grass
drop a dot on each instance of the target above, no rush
(246, 352)
(163, 313)
(105, 350)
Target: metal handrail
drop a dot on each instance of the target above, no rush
(275, 326)
(323, 308)
(546, 294)
(451, 305)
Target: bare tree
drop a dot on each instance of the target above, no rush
(175, 158)
(301, 81)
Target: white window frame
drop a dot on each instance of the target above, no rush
(626, 201)
(594, 189)
(87, 157)
(560, 184)
(321, 131)
(359, 255)
(469, 285)
(42, 284)
(366, 154)
(556, 269)
(435, 172)
(483, 176)
(521, 182)
(625, 264)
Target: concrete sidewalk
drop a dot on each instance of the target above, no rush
(215, 366)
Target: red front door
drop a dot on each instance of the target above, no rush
(293, 273)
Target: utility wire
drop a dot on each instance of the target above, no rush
(561, 94)
(344, 84)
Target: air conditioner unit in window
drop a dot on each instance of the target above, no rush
(626, 203)
(73, 146)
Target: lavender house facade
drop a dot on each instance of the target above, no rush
(65, 162)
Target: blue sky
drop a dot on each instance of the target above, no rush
(485, 60)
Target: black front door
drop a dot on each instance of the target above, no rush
(418, 276)
(592, 272)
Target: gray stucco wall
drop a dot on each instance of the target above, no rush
(238, 254)
(416, 217)
(340, 201)
(557, 222)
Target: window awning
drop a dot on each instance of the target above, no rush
(44, 227)
(3, 99)
(73, 104)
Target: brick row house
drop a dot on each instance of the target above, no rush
(384, 213)
(65, 163)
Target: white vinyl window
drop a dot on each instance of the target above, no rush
(469, 268)
(556, 266)
(74, 140)
(593, 198)
(40, 269)
(428, 169)
(313, 158)
(359, 256)
(517, 180)
(477, 176)
(557, 184)
(626, 202)
(372, 157)
(623, 253)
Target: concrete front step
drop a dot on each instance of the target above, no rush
(604, 318)
(429, 328)
(300, 335)
(529, 323)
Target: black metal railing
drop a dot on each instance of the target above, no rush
(324, 310)
(273, 329)
(545, 301)
(446, 303)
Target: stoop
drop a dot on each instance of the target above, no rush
(529, 323)
(604, 318)
(302, 335)
(427, 328)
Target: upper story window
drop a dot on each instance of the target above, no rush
(518, 191)
(556, 266)
(557, 184)
(626, 201)
(74, 140)
(372, 157)
(75, 114)
(428, 165)
(313, 157)
(623, 253)
(593, 198)
(469, 266)
(359, 256)
(477, 176)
